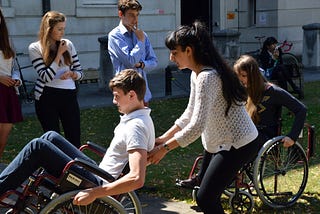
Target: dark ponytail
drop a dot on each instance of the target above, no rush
(198, 38)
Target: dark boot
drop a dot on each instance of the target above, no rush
(189, 183)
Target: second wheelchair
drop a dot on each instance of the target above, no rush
(278, 175)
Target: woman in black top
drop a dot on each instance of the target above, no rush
(271, 62)
(265, 101)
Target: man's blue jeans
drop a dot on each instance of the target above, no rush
(51, 151)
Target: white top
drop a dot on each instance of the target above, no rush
(135, 131)
(49, 75)
(6, 67)
(205, 117)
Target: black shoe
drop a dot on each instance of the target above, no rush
(189, 183)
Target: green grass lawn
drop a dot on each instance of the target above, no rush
(98, 124)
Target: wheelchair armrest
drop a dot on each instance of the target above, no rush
(94, 169)
(94, 148)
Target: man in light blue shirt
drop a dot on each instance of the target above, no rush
(129, 46)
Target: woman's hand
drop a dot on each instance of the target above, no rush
(276, 54)
(8, 81)
(62, 47)
(69, 74)
(287, 141)
(84, 198)
(17, 82)
(157, 154)
(160, 140)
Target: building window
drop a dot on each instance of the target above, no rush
(252, 12)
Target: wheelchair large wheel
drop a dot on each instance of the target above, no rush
(131, 203)
(280, 174)
(63, 204)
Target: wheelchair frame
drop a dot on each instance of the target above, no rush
(43, 193)
(268, 175)
(293, 65)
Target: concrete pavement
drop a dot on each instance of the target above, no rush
(155, 205)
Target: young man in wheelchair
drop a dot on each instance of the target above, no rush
(52, 152)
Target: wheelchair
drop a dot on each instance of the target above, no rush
(278, 175)
(43, 193)
(291, 62)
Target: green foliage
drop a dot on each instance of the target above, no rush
(98, 123)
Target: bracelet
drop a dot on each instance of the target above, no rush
(141, 64)
(166, 147)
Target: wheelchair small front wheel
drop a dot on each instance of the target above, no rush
(241, 202)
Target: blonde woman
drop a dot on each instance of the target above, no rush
(265, 101)
(56, 61)
(10, 109)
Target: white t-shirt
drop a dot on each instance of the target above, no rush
(5, 65)
(6, 69)
(135, 131)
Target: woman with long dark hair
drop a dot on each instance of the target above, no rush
(10, 108)
(216, 112)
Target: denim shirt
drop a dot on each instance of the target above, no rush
(126, 50)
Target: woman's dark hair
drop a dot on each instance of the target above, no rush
(5, 46)
(198, 38)
(269, 41)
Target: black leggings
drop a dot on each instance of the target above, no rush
(221, 170)
(60, 105)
